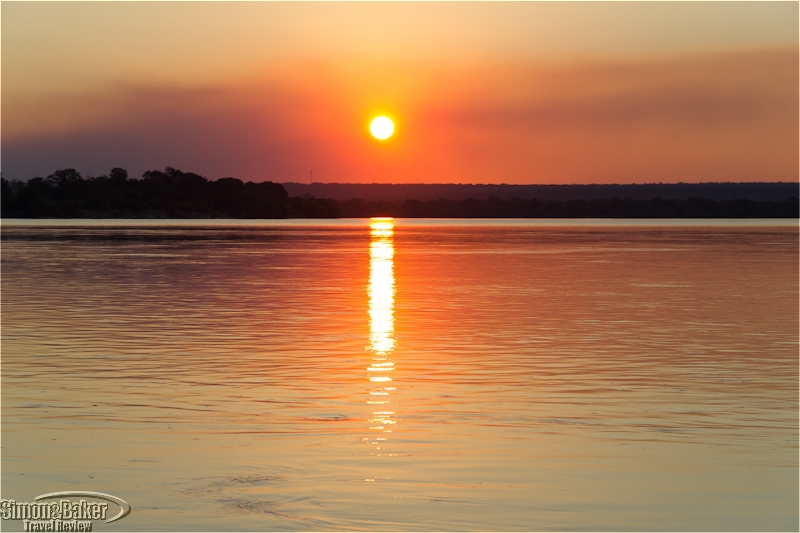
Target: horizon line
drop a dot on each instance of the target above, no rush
(554, 184)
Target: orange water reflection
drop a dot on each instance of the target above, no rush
(381, 290)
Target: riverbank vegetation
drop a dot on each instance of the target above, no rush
(159, 194)
(172, 193)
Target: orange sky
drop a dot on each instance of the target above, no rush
(480, 92)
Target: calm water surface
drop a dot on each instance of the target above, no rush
(405, 375)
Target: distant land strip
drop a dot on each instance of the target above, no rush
(455, 191)
(172, 193)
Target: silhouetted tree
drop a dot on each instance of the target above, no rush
(170, 192)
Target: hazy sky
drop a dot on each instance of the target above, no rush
(522, 92)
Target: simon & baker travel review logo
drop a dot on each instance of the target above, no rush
(66, 514)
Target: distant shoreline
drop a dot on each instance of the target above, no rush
(493, 208)
(174, 194)
(389, 192)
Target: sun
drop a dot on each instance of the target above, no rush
(381, 127)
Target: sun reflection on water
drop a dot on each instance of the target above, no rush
(381, 291)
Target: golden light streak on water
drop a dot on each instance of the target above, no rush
(381, 291)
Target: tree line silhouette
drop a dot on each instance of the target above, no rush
(175, 194)
(591, 208)
(171, 194)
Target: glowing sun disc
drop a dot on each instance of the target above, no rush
(381, 128)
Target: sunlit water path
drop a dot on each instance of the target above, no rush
(405, 375)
